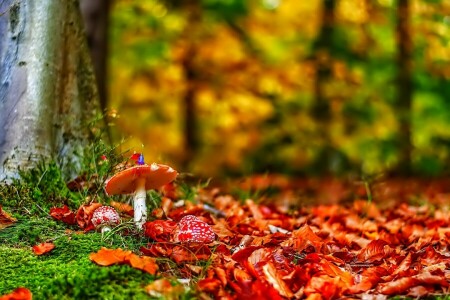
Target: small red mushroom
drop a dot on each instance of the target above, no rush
(104, 217)
(192, 229)
(138, 179)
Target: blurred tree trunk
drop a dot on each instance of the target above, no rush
(193, 9)
(47, 91)
(96, 20)
(321, 111)
(405, 85)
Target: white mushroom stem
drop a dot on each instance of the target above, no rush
(140, 208)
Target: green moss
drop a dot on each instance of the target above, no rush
(66, 272)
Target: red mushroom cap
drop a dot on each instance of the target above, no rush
(125, 182)
(192, 229)
(105, 215)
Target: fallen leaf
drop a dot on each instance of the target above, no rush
(375, 250)
(5, 219)
(159, 230)
(144, 263)
(43, 248)
(274, 278)
(20, 293)
(108, 257)
(63, 214)
(123, 208)
(84, 216)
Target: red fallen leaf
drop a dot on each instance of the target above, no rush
(182, 254)
(5, 219)
(241, 275)
(251, 290)
(401, 285)
(303, 237)
(274, 278)
(403, 267)
(63, 214)
(369, 278)
(375, 250)
(20, 293)
(396, 287)
(43, 248)
(243, 254)
(334, 271)
(84, 215)
(209, 285)
(159, 249)
(123, 208)
(325, 285)
(159, 230)
(194, 253)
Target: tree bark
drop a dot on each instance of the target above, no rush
(321, 111)
(47, 90)
(96, 19)
(191, 139)
(405, 85)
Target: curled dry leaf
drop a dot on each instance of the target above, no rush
(63, 214)
(20, 293)
(5, 219)
(43, 248)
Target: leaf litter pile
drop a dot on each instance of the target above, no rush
(268, 250)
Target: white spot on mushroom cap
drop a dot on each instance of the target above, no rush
(154, 167)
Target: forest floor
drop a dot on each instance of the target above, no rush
(275, 238)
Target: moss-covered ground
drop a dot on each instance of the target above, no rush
(66, 272)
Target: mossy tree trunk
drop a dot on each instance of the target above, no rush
(47, 86)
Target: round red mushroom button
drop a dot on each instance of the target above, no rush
(192, 229)
(105, 215)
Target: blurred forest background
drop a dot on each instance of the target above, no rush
(233, 87)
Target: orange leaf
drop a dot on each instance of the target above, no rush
(43, 248)
(304, 236)
(20, 293)
(144, 263)
(108, 257)
(123, 207)
(5, 219)
(274, 278)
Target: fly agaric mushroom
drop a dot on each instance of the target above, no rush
(192, 229)
(138, 179)
(104, 217)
